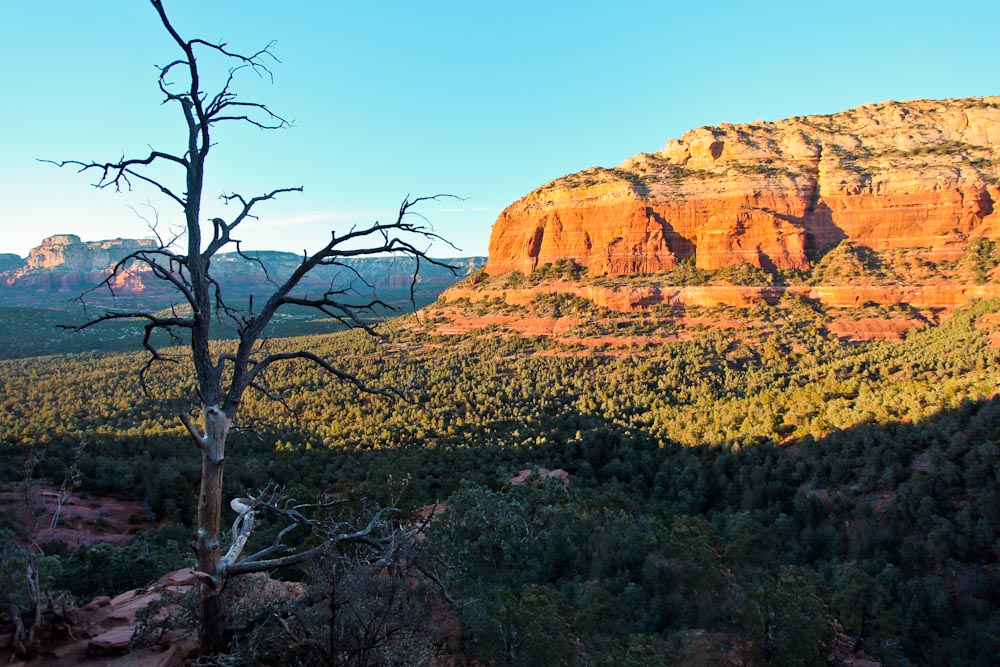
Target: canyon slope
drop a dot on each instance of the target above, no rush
(920, 175)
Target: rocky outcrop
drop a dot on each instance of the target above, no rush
(773, 194)
(106, 632)
(100, 633)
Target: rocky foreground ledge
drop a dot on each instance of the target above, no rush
(101, 631)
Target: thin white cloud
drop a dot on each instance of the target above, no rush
(468, 209)
(311, 218)
(360, 216)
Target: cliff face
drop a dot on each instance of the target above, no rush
(920, 174)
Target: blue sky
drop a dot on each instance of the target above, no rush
(483, 100)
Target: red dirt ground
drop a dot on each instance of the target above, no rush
(82, 519)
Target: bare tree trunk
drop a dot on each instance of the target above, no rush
(214, 611)
(333, 646)
(214, 621)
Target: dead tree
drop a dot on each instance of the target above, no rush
(373, 580)
(222, 378)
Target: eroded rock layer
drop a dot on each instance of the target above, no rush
(921, 174)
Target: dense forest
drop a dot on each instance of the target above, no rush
(747, 494)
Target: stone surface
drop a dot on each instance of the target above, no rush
(111, 642)
(772, 194)
(65, 265)
(103, 628)
(173, 656)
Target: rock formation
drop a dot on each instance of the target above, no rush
(776, 195)
(66, 252)
(99, 633)
(63, 267)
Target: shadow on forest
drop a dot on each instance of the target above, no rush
(899, 521)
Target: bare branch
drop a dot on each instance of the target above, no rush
(389, 241)
(161, 322)
(277, 398)
(277, 547)
(260, 264)
(158, 5)
(328, 367)
(195, 435)
(363, 536)
(255, 60)
(278, 123)
(242, 528)
(118, 173)
(154, 226)
(223, 230)
(345, 313)
(171, 273)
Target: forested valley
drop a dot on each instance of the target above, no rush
(731, 497)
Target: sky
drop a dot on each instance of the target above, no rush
(482, 100)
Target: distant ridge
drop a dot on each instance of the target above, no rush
(63, 266)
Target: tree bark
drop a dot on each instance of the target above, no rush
(214, 611)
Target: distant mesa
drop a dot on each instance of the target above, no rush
(63, 266)
(66, 252)
(775, 195)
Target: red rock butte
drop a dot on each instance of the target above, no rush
(777, 195)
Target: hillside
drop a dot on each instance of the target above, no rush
(714, 480)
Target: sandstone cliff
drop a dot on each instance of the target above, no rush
(921, 174)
